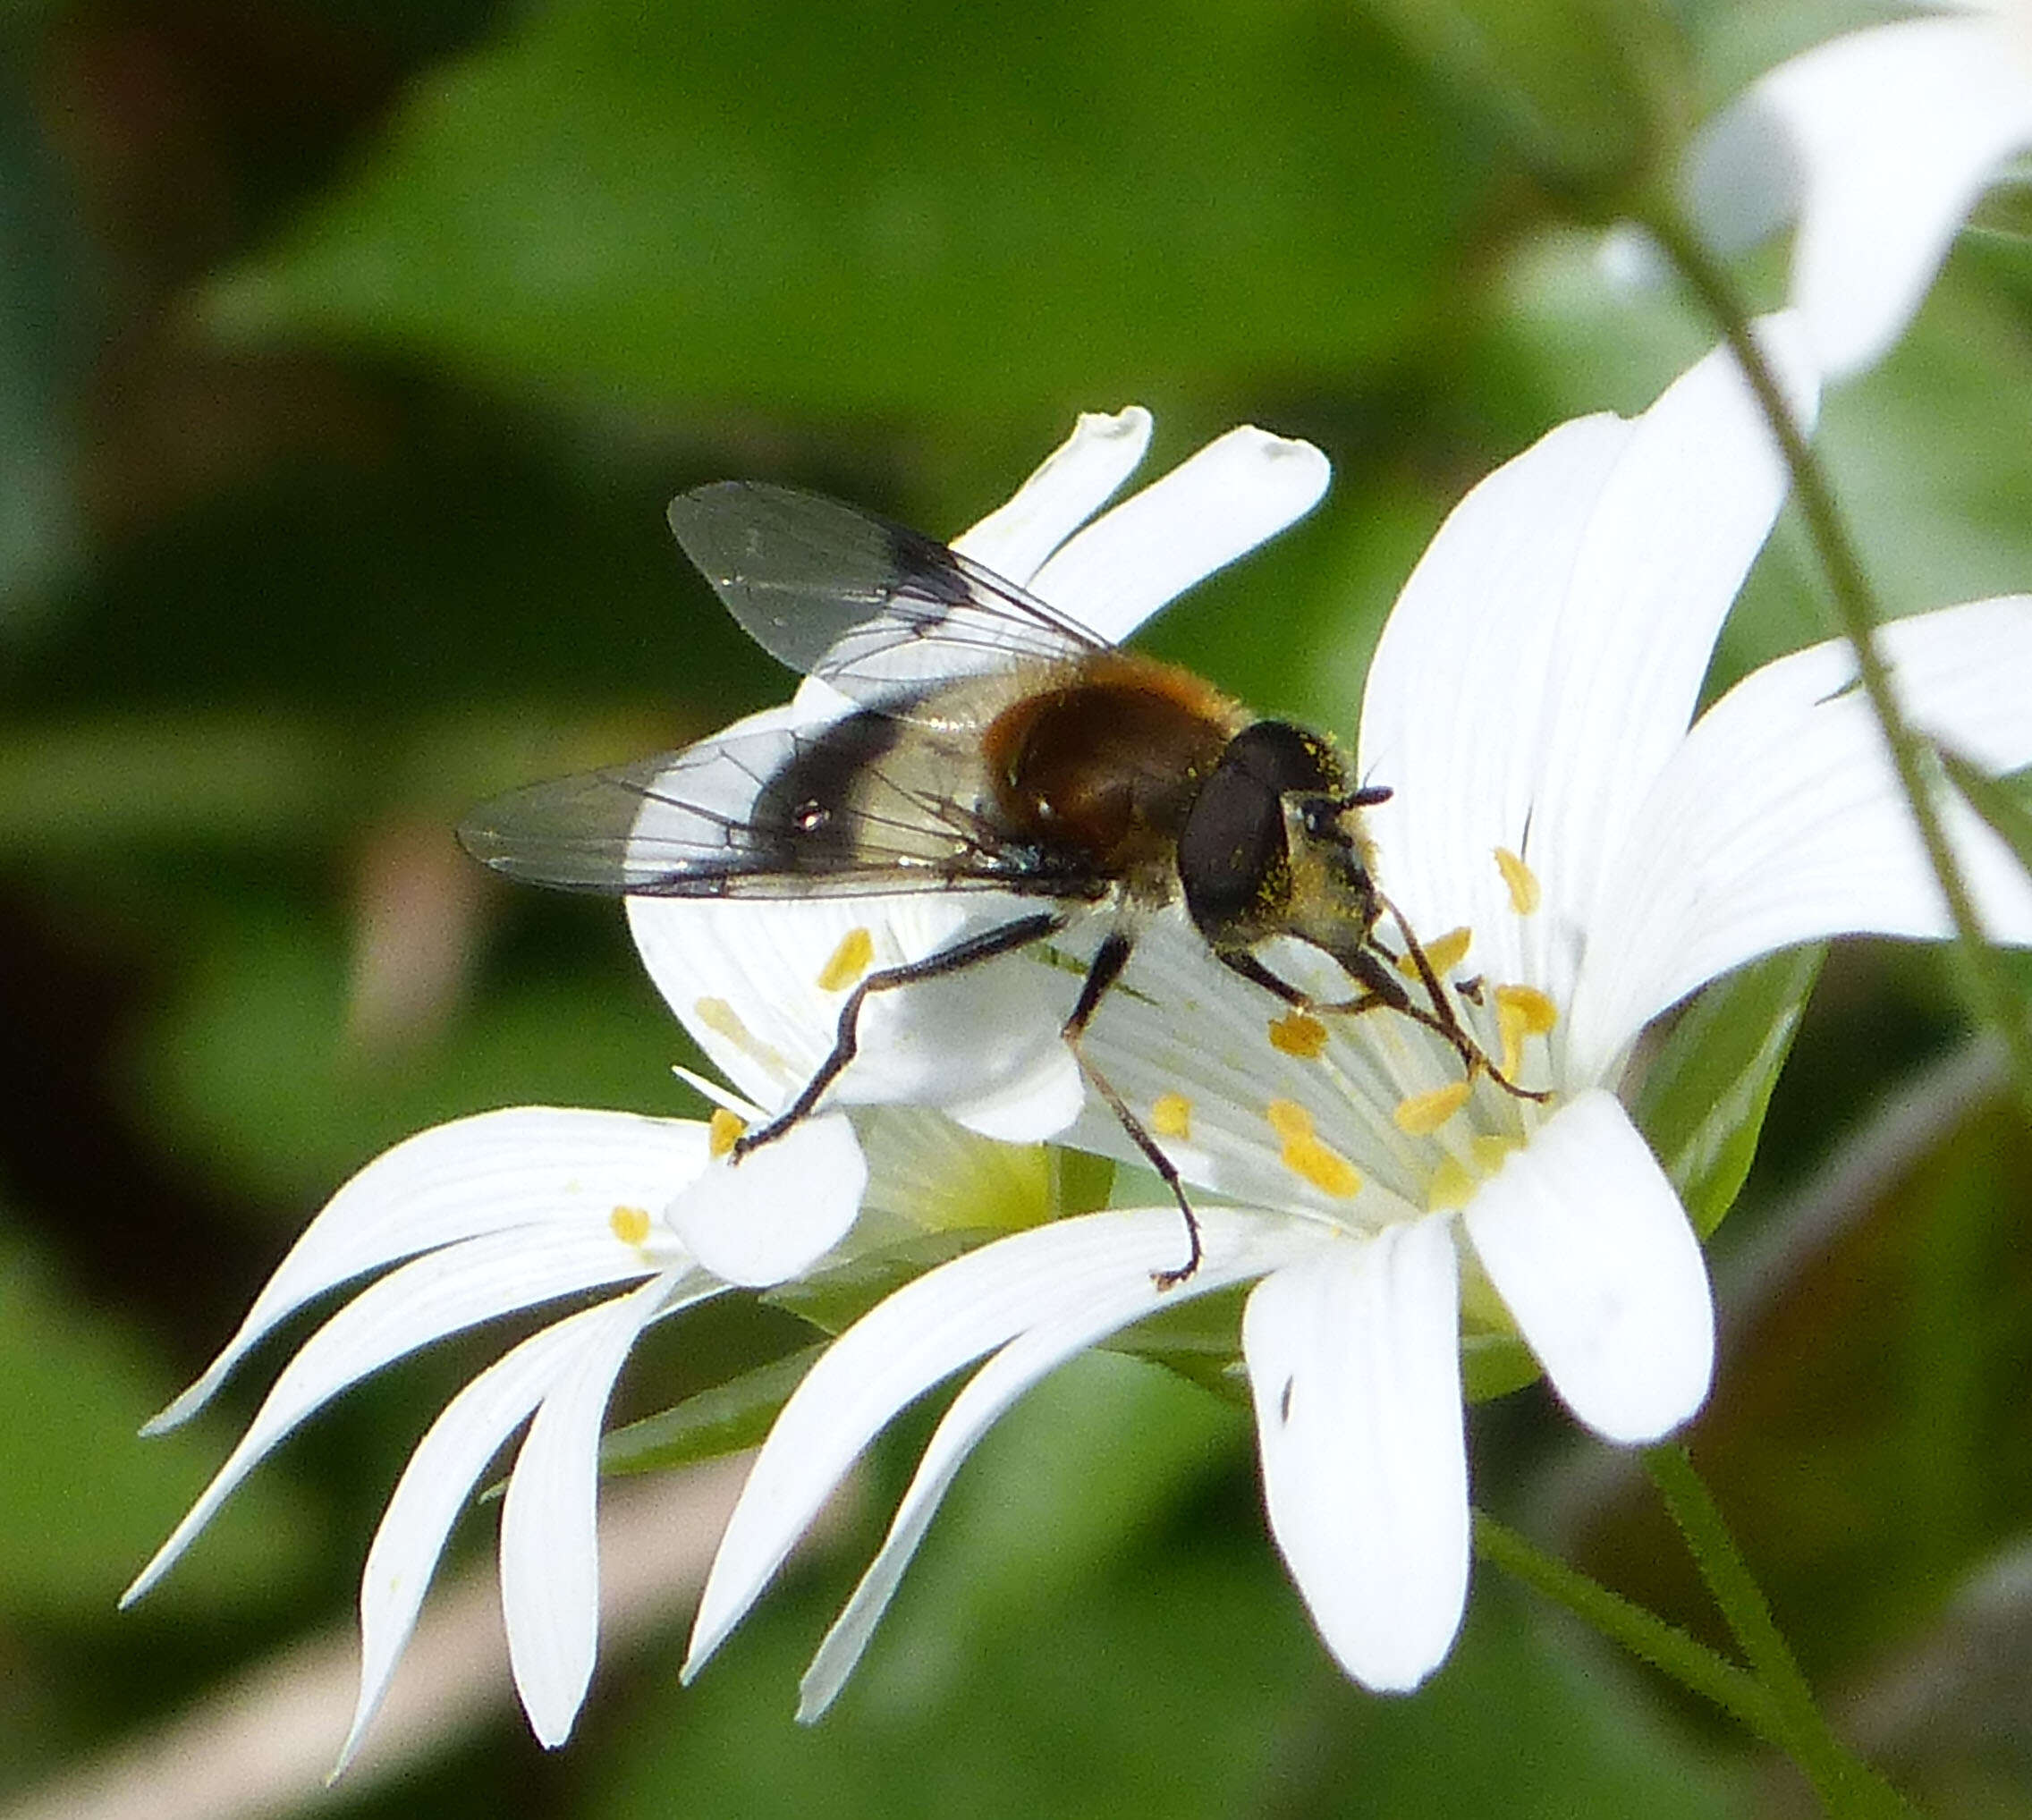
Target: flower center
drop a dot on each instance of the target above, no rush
(1427, 1129)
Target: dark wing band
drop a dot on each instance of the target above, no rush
(865, 806)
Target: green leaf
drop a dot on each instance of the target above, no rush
(723, 1420)
(1706, 1086)
(878, 207)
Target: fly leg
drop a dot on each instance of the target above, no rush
(846, 1040)
(1109, 958)
(1471, 1053)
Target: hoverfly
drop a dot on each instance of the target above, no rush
(989, 743)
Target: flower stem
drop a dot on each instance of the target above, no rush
(1665, 1647)
(1845, 1784)
(1987, 987)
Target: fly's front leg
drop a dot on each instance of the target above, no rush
(1109, 960)
(846, 1041)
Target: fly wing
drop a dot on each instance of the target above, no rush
(864, 806)
(882, 613)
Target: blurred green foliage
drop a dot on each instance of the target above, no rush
(350, 351)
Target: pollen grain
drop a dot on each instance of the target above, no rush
(1170, 1116)
(723, 1132)
(849, 962)
(1523, 882)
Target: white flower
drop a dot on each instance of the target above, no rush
(1558, 831)
(508, 1210)
(479, 1218)
(1878, 143)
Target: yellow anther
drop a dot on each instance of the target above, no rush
(721, 1018)
(1452, 1187)
(1423, 1114)
(722, 1130)
(1300, 1033)
(1288, 1119)
(1535, 1014)
(1523, 882)
(1448, 951)
(1521, 1011)
(1306, 1156)
(849, 962)
(631, 1225)
(1490, 1151)
(1171, 1115)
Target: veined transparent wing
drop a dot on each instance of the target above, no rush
(864, 806)
(880, 612)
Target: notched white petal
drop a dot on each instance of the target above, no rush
(529, 1165)
(780, 1208)
(1239, 490)
(1591, 1252)
(1079, 477)
(1354, 1364)
(428, 1497)
(550, 1590)
(929, 1329)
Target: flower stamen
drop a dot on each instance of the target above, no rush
(1300, 1033)
(631, 1225)
(1525, 891)
(848, 960)
(723, 1132)
(1306, 1156)
(1170, 1116)
(1443, 953)
(1521, 1011)
(1422, 1114)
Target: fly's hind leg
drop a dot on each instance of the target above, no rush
(846, 1041)
(1109, 958)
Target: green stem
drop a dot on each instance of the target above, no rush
(1986, 984)
(1846, 1785)
(1664, 1645)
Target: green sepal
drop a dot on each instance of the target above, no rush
(723, 1420)
(1708, 1084)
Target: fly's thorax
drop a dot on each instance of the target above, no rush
(1275, 846)
(1105, 759)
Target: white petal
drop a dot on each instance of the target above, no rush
(745, 979)
(1077, 479)
(529, 1165)
(1898, 130)
(550, 1589)
(929, 1329)
(1545, 655)
(1237, 491)
(1590, 1250)
(1104, 1309)
(1032, 1107)
(779, 1209)
(427, 1299)
(1779, 820)
(1354, 1362)
(430, 1494)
